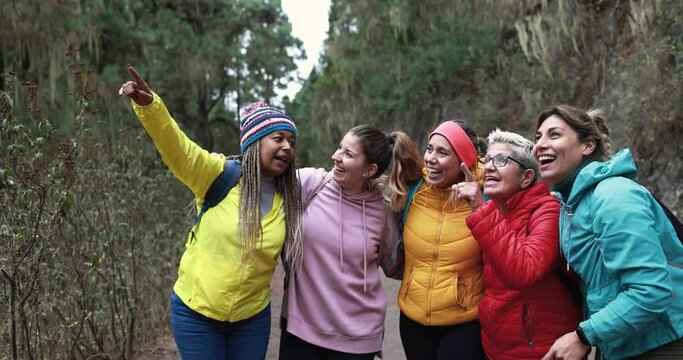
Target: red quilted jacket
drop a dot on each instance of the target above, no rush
(526, 306)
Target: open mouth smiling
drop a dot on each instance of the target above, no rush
(546, 159)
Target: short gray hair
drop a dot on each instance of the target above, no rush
(522, 149)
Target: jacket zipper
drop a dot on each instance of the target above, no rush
(566, 232)
(410, 281)
(433, 274)
(529, 337)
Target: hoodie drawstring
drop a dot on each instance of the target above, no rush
(365, 256)
(365, 242)
(341, 234)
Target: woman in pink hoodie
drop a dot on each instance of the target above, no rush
(334, 306)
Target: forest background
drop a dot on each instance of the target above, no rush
(91, 222)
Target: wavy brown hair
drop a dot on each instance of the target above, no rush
(407, 168)
(589, 125)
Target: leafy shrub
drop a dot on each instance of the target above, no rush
(91, 230)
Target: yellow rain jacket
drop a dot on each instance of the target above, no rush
(443, 280)
(213, 280)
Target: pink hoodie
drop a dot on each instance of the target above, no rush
(336, 301)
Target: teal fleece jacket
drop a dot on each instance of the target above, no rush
(625, 250)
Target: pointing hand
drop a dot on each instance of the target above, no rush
(137, 90)
(469, 189)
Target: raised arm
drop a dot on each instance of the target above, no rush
(191, 164)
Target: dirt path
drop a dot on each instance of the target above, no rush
(164, 347)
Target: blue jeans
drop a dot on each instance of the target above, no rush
(201, 338)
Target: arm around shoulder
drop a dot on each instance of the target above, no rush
(391, 265)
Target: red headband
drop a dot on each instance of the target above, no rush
(459, 140)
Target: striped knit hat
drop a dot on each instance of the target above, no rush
(258, 120)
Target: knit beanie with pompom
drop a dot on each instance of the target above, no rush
(260, 119)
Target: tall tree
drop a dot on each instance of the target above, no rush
(393, 64)
(497, 63)
(216, 56)
(208, 58)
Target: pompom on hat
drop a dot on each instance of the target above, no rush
(459, 140)
(260, 119)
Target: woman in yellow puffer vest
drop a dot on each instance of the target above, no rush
(442, 281)
(220, 305)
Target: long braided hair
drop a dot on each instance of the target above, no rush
(249, 222)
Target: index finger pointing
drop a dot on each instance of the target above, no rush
(468, 174)
(137, 77)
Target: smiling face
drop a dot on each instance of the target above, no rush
(277, 152)
(503, 182)
(559, 150)
(443, 165)
(351, 172)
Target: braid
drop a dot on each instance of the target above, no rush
(250, 198)
(250, 204)
(288, 185)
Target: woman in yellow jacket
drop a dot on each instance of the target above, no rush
(442, 281)
(220, 305)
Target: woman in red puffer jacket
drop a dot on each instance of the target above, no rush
(527, 303)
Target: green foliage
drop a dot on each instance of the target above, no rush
(93, 224)
(88, 241)
(217, 57)
(497, 63)
(207, 58)
(392, 63)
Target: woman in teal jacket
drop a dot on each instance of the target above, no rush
(617, 239)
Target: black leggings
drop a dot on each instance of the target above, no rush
(454, 342)
(294, 348)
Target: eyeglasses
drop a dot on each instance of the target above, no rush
(500, 160)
